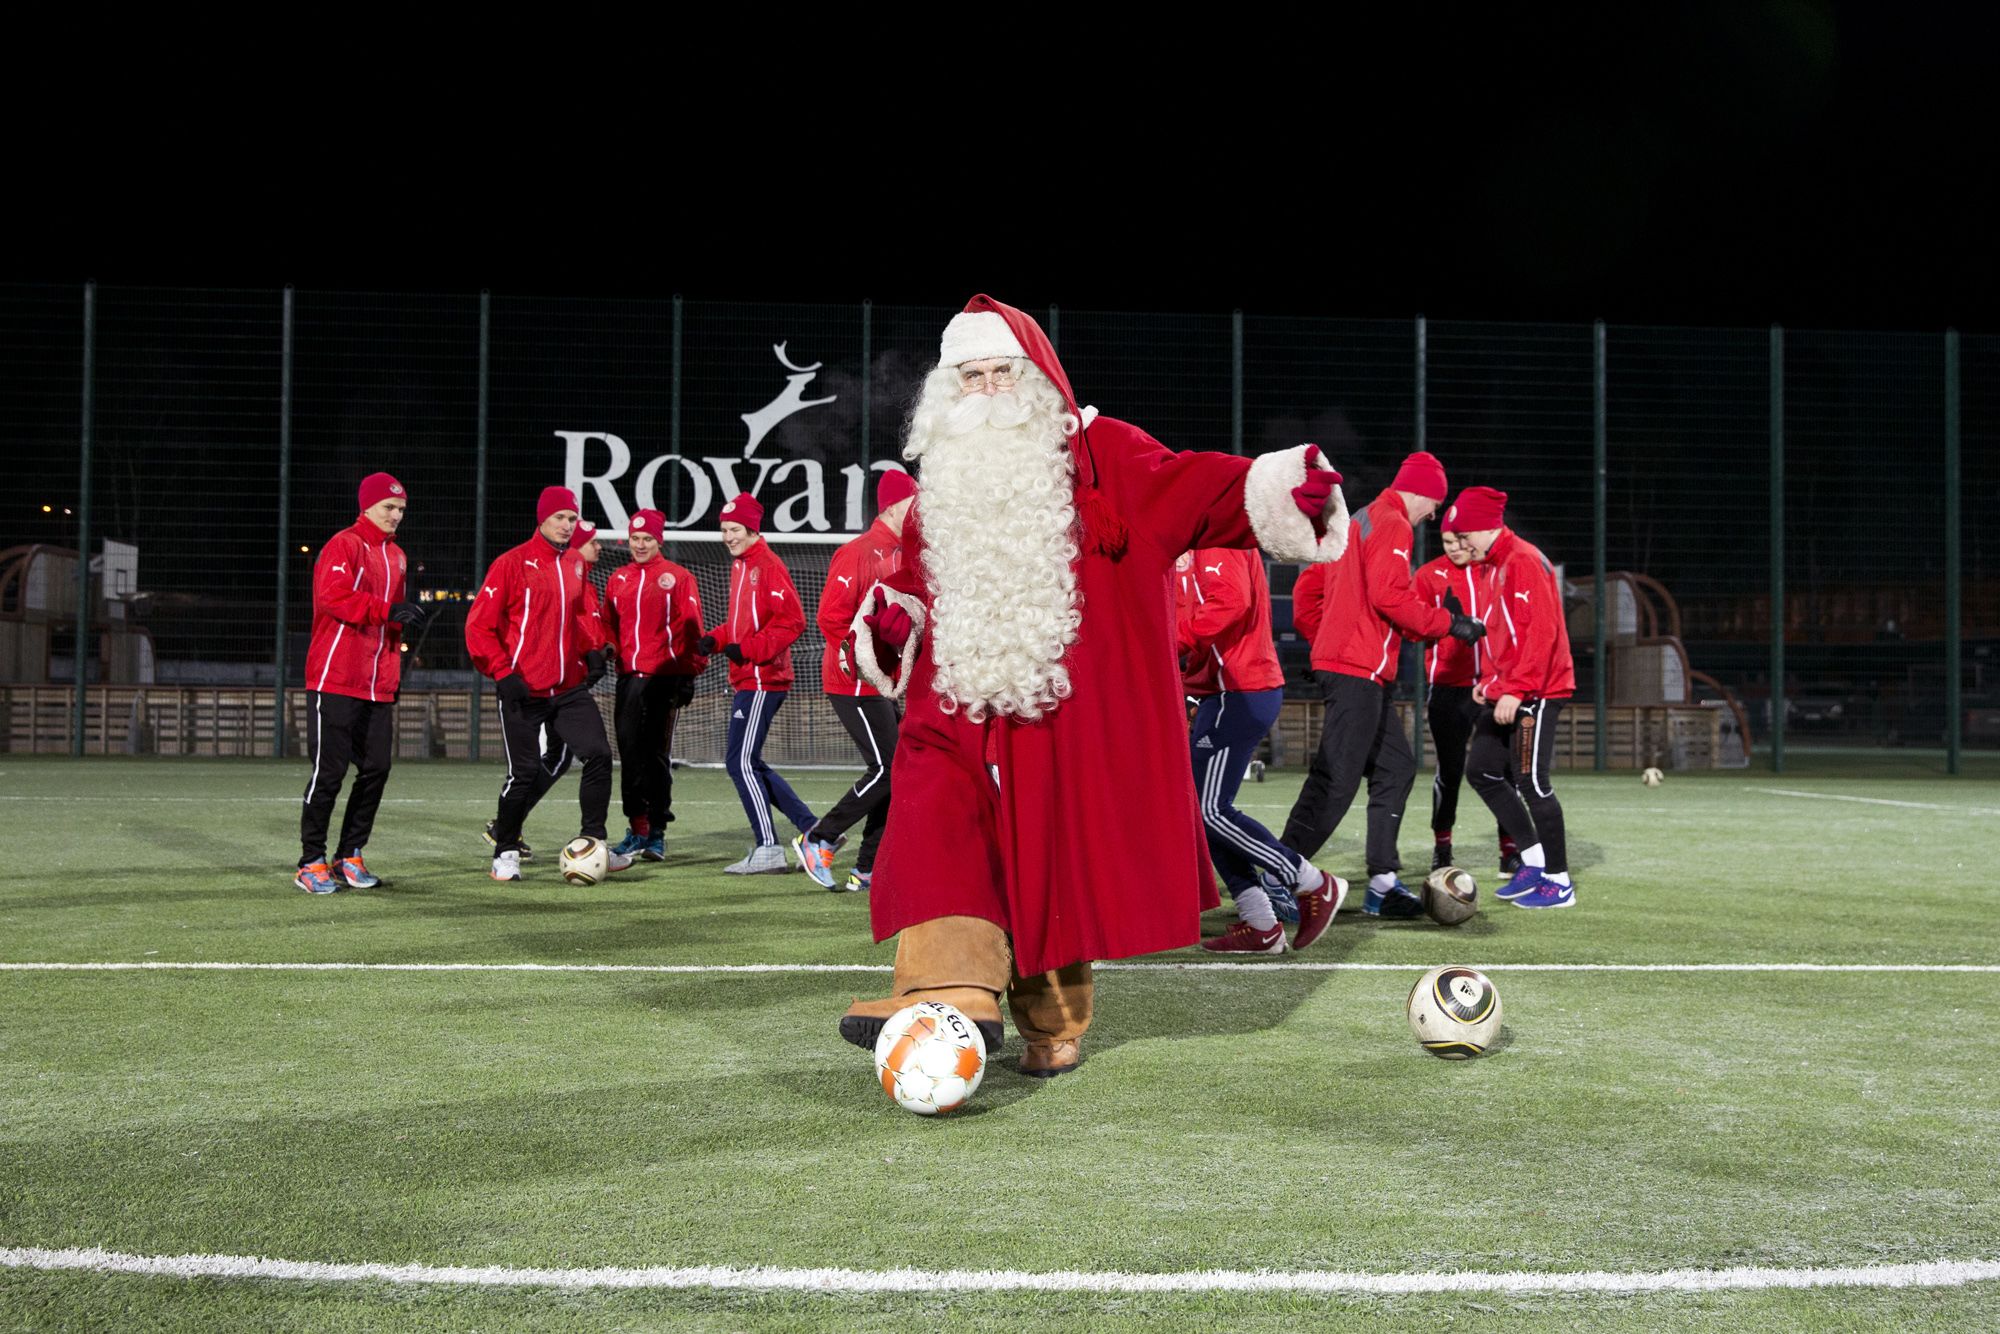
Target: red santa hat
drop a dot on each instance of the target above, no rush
(650, 522)
(892, 486)
(582, 535)
(555, 499)
(1422, 475)
(377, 487)
(1477, 509)
(746, 510)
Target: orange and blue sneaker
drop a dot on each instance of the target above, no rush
(354, 874)
(815, 859)
(316, 878)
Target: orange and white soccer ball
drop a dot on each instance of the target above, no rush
(930, 1058)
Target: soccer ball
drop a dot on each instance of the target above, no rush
(1455, 1012)
(584, 861)
(1450, 896)
(930, 1058)
(1651, 778)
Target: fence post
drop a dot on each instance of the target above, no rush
(1055, 326)
(1236, 383)
(284, 532)
(867, 374)
(479, 511)
(674, 419)
(1777, 549)
(83, 521)
(1422, 377)
(1954, 645)
(1600, 443)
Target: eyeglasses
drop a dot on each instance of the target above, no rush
(974, 382)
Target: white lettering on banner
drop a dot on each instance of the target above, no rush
(803, 511)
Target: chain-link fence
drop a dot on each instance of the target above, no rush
(198, 446)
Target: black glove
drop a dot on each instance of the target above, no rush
(683, 692)
(511, 689)
(1468, 628)
(734, 652)
(409, 615)
(705, 646)
(593, 667)
(1452, 604)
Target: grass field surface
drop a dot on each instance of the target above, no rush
(1830, 1106)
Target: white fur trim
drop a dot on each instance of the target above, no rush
(1087, 415)
(1282, 530)
(864, 640)
(978, 335)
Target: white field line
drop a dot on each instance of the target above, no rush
(1878, 801)
(727, 969)
(1934, 1274)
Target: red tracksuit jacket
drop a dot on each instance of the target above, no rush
(536, 615)
(652, 612)
(1527, 638)
(1453, 662)
(875, 555)
(1222, 617)
(356, 650)
(1370, 601)
(764, 619)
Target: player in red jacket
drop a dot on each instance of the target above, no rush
(353, 669)
(1455, 582)
(870, 717)
(762, 621)
(1526, 677)
(1370, 605)
(652, 618)
(534, 629)
(1222, 605)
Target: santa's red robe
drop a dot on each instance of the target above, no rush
(1090, 845)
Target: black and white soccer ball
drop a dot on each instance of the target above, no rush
(1455, 1012)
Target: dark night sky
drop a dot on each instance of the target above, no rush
(1737, 163)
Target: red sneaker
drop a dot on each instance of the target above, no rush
(1243, 938)
(1316, 909)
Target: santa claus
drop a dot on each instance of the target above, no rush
(1041, 790)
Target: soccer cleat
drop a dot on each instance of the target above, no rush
(617, 861)
(507, 866)
(1317, 907)
(354, 874)
(1548, 895)
(764, 859)
(316, 878)
(857, 882)
(632, 844)
(655, 849)
(815, 859)
(1243, 938)
(1527, 879)
(1441, 857)
(527, 853)
(1396, 903)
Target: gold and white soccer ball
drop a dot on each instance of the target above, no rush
(930, 1058)
(584, 860)
(1651, 778)
(1450, 895)
(1455, 1012)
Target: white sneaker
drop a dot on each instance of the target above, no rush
(507, 866)
(764, 859)
(616, 861)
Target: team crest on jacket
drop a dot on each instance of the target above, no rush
(754, 574)
(665, 581)
(1184, 562)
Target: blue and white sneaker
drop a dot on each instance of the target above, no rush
(1527, 879)
(655, 849)
(316, 878)
(1396, 903)
(630, 845)
(1283, 902)
(815, 859)
(1550, 895)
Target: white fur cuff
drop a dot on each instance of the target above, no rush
(864, 640)
(978, 335)
(1282, 529)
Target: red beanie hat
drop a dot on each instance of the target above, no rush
(582, 535)
(554, 499)
(892, 486)
(650, 522)
(377, 487)
(745, 510)
(1422, 475)
(1478, 509)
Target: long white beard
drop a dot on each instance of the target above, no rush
(996, 502)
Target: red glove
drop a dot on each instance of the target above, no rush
(891, 624)
(1312, 495)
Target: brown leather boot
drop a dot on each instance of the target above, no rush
(1051, 1012)
(961, 961)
